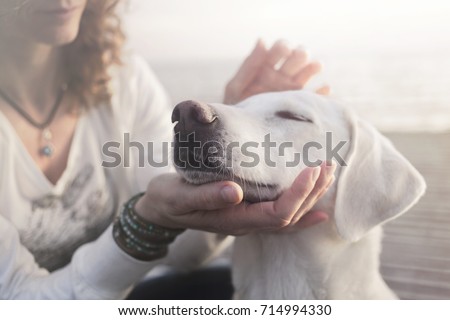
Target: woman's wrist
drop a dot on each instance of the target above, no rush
(146, 208)
(140, 238)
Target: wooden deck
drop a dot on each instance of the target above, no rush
(415, 260)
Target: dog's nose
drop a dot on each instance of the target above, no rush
(194, 112)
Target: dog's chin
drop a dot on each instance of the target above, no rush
(253, 191)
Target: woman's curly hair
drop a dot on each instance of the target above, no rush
(97, 47)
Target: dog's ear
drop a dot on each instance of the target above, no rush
(376, 185)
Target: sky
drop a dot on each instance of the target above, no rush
(207, 29)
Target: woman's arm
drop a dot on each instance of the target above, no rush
(98, 270)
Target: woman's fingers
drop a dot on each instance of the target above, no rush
(294, 63)
(262, 216)
(246, 74)
(292, 199)
(289, 210)
(325, 90)
(266, 78)
(251, 65)
(273, 80)
(273, 215)
(321, 185)
(279, 51)
(270, 79)
(302, 77)
(260, 72)
(309, 219)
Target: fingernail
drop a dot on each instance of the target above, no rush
(304, 50)
(259, 45)
(316, 173)
(229, 194)
(282, 42)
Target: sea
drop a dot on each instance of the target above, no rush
(394, 93)
(389, 61)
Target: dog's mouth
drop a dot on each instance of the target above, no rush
(253, 191)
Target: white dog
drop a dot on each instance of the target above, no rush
(338, 259)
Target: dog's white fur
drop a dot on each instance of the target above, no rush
(338, 259)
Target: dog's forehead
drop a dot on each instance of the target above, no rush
(287, 100)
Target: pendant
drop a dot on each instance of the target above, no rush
(47, 149)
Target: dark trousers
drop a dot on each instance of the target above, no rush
(205, 284)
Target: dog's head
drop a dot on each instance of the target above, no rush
(265, 141)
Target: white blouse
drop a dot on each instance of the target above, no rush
(46, 230)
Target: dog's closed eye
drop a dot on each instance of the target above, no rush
(292, 116)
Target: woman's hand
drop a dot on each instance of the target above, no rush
(261, 72)
(218, 207)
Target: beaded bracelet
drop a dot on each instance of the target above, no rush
(139, 238)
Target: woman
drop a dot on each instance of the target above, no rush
(65, 90)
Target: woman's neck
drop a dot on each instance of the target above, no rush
(31, 73)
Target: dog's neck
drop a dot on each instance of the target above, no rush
(308, 265)
(314, 263)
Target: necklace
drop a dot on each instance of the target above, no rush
(46, 147)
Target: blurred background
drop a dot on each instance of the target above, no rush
(388, 59)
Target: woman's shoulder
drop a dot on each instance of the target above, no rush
(136, 90)
(134, 74)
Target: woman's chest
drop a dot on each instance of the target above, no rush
(54, 220)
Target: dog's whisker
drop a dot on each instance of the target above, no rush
(257, 185)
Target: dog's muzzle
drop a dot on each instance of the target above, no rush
(201, 155)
